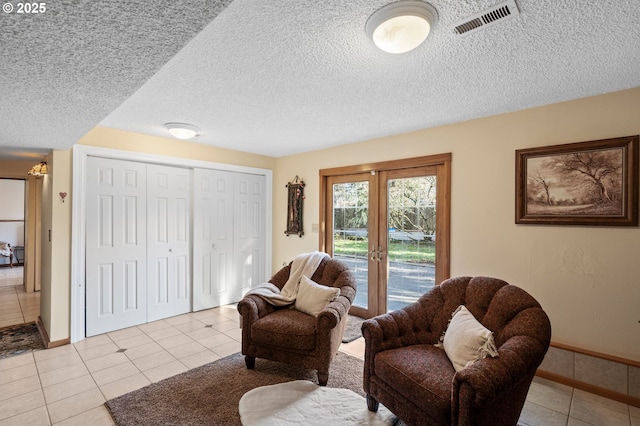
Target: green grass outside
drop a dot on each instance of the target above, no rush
(411, 252)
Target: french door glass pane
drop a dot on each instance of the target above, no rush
(350, 232)
(411, 246)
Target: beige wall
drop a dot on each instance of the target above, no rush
(47, 311)
(16, 169)
(128, 141)
(586, 278)
(56, 251)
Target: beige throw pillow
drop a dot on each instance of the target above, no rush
(466, 340)
(312, 297)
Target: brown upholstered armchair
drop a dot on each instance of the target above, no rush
(287, 335)
(415, 379)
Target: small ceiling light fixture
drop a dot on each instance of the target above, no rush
(182, 130)
(39, 169)
(401, 26)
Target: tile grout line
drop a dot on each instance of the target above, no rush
(44, 398)
(89, 371)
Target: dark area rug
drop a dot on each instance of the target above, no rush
(19, 339)
(352, 331)
(209, 395)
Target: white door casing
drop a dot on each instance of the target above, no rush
(115, 245)
(168, 241)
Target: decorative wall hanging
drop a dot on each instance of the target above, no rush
(294, 207)
(585, 183)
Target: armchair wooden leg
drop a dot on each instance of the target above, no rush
(323, 378)
(250, 361)
(372, 404)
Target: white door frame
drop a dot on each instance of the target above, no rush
(78, 215)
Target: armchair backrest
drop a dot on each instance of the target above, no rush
(506, 310)
(331, 272)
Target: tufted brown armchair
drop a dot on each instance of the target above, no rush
(415, 380)
(286, 335)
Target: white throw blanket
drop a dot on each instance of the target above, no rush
(304, 264)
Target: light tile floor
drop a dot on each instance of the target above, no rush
(11, 276)
(68, 385)
(17, 306)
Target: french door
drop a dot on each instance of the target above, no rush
(390, 225)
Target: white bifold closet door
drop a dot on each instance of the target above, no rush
(116, 245)
(168, 241)
(229, 236)
(138, 243)
(150, 229)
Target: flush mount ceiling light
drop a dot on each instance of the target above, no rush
(182, 130)
(401, 26)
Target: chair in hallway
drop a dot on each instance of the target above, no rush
(6, 251)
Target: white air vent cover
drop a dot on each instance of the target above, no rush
(486, 18)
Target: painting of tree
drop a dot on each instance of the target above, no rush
(579, 183)
(584, 183)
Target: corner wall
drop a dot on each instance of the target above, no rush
(586, 278)
(56, 248)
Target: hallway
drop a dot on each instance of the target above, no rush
(16, 305)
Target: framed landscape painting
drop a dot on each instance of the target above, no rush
(585, 183)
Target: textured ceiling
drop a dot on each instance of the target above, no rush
(65, 70)
(278, 77)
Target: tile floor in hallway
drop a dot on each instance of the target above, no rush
(17, 306)
(68, 385)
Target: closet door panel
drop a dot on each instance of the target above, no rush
(168, 241)
(213, 272)
(249, 232)
(115, 245)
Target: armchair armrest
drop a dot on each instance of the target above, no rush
(490, 379)
(338, 308)
(253, 307)
(333, 313)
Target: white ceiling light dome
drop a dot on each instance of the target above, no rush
(401, 26)
(182, 130)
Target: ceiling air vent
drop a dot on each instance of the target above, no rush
(486, 18)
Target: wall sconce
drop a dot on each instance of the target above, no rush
(39, 169)
(182, 130)
(401, 26)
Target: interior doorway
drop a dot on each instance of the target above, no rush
(17, 304)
